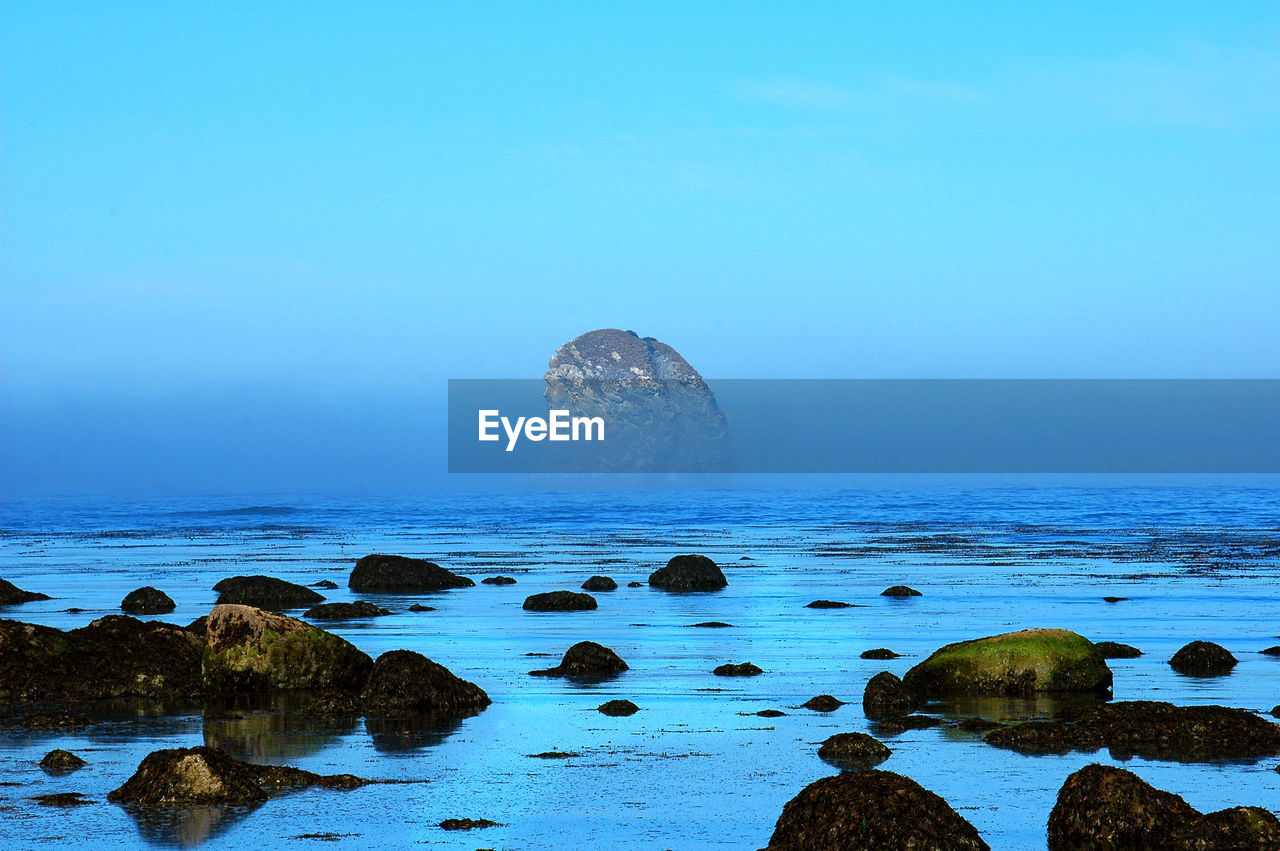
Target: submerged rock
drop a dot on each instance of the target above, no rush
(823, 703)
(12, 595)
(1116, 650)
(1148, 729)
(878, 653)
(345, 611)
(712, 625)
(559, 601)
(600, 583)
(389, 574)
(902, 723)
(1104, 807)
(205, 775)
(418, 607)
(771, 713)
(1015, 664)
(405, 682)
(467, 823)
(265, 592)
(900, 591)
(115, 656)
(873, 810)
(618, 708)
(586, 659)
(886, 697)
(1271, 651)
(327, 584)
(498, 580)
(828, 604)
(634, 584)
(689, 573)
(62, 799)
(250, 649)
(853, 750)
(1203, 659)
(60, 760)
(741, 669)
(147, 601)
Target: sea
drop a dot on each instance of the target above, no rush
(695, 767)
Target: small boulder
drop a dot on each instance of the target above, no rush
(559, 601)
(60, 760)
(251, 649)
(62, 799)
(1203, 659)
(828, 604)
(1104, 807)
(871, 809)
(147, 601)
(498, 580)
(712, 625)
(878, 653)
(265, 592)
(467, 823)
(387, 574)
(823, 703)
(586, 660)
(902, 723)
(741, 669)
(689, 573)
(900, 591)
(1116, 650)
(1271, 651)
(618, 708)
(1015, 664)
(853, 750)
(327, 584)
(600, 583)
(634, 584)
(345, 611)
(771, 713)
(404, 682)
(11, 595)
(886, 697)
(418, 607)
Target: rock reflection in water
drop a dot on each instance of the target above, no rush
(183, 825)
(396, 735)
(271, 728)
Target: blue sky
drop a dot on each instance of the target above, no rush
(354, 199)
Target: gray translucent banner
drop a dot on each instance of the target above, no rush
(865, 426)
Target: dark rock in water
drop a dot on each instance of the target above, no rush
(853, 750)
(498, 580)
(742, 669)
(147, 601)
(252, 649)
(265, 592)
(1148, 729)
(1104, 807)
(555, 755)
(62, 799)
(404, 682)
(828, 604)
(771, 713)
(115, 656)
(872, 810)
(689, 573)
(1275, 711)
(618, 708)
(662, 417)
(823, 703)
(327, 584)
(746, 558)
(712, 624)
(1114, 599)
(900, 591)
(586, 660)
(467, 823)
(11, 595)
(1271, 651)
(1116, 650)
(978, 725)
(901, 724)
(205, 775)
(878, 653)
(1203, 659)
(345, 611)
(60, 760)
(1015, 664)
(635, 584)
(46, 721)
(559, 601)
(198, 626)
(388, 574)
(418, 607)
(600, 583)
(886, 697)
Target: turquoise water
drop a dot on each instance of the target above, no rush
(693, 768)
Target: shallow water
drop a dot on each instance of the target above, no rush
(692, 769)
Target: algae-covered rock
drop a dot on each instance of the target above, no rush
(689, 573)
(886, 697)
(586, 659)
(254, 650)
(405, 682)
(853, 750)
(1015, 664)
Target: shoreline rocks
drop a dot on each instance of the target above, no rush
(559, 601)
(689, 573)
(12, 595)
(886, 697)
(879, 653)
(498, 580)
(61, 760)
(1203, 659)
(853, 750)
(345, 611)
(1014, 664)
(147, 601)
(586, 660)
(264, 592)
(391, 574)
(741, 669)
(1104, 807)
(828, 604)
(823, 703)
(1116, 650)
(618, 708)
(600, 583)
(250, 649)
(900, 591)
(405, 682)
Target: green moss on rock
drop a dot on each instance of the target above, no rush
(1025, 663)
